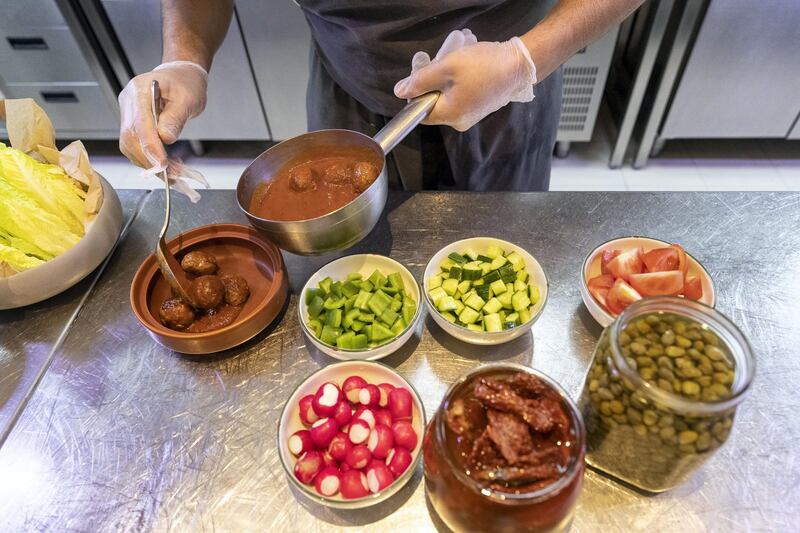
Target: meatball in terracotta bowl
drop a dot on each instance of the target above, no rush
(238, 285)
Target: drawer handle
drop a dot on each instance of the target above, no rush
(27, 43)
(60, 97)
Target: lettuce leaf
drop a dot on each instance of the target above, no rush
(47, 185)
(17, 260)
(23, 246)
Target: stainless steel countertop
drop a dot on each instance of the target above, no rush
(29, 334)
(122, 434)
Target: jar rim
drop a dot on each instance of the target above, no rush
(544, 493)
(737, 344)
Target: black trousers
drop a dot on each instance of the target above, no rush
(509, 150)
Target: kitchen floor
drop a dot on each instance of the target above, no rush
(730, 165)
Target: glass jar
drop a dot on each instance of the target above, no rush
(467, 505)
(662, 391)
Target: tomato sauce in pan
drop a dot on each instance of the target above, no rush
(309, 189)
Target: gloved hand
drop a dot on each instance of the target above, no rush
(183, 87)
(475, 78)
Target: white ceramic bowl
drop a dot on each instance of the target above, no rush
(364, 264)
(64, 271)
(481, 245)
(591, 268)
(290, 422)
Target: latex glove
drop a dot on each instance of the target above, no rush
(475, 78)
(183, 87)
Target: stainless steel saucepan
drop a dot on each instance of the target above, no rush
(349, 224)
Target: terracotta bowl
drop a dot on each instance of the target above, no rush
(238, 249)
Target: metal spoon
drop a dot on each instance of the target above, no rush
(170, 268)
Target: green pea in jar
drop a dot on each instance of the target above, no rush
(662, 391)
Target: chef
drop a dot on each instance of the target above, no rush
(496, 63)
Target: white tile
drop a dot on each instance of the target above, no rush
(663, 179)
(598, 178)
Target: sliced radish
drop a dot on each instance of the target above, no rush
(369, 396)
(381, 440)
(359, 457)
(365, 414)
(384, 389)
(300, 442)
(323, 431)
(328, 482)
(398, 460)
(383, 416)
(328, 461)
(400, 404)
(352, 386)
(379, 477)
(339, 446)
(308, 466)
(359, 432)
(342, 413)
(307, 414)
(344, 467)
(354, 484)
(404, 434)
(326, 399)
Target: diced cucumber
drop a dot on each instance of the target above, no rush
(492, 306)
(366, 317)
(464, 286)
(377, 278)
(389, 317)
(498, 287)
(507, 273)
(457, 258)
(475, 327)
(494, 251)
(355, 276)
(396, 280)
(367, 286)
(450, 317)
(469, 315)
(534, 294)
(513, 317)
(505, 299)
(398, 327)
(388, 289)
(315, 307)
(524, 315)
(486, 268)
(336, 289)
(446, 265)
(477, 282)
(450, 286)
(312, 292)
(349, 317)
(455, 273)
(359, 342)
(361, 300)
(484, 258)
(436, 295)
(498, 261)
(472, 271)
(333, 318)
(435, 281)
(491, 277)
(515, 259)
(349, 289)
(357, 325)
(315, 326)
(492, 322)
(378, 302)
(330, 334)
(475, 302)
(520, 300)
(520, 286)
(472, 254)
(325, 285)
(345, 340)
(409, 310)
(334, 303)
(522, 275)
(379, 332)
(484, 291)
(510, 287)
(448, 303)
(396, 305)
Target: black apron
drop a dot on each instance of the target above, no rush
(361, 48)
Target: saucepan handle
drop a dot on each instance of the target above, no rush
(406, 120)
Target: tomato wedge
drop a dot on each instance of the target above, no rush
(607, 256)
(693, 288)
(661, 259)
(626, 263)
(598, 287)
(668, 283)
(620, 296)
(683, 260)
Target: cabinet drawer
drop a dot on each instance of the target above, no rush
(30, 55)
(70, 107)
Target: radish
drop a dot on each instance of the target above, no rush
(404, 434)
(383, 416)
(300, 442)
(378, 478)
(307, 414)
(358, 457)
(342, 413)
(367, 415)
(398, 460)
(352, 386)
(344, 467)
(328, 461)
(369, 396)
(326, 399)
(339, 446)
(359, 432)
(381, 440)
(328, 482)
(354, 485)
(385, 389)
(323, 431)
(308, 466)
(400, 404)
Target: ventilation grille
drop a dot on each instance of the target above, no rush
(579, 88)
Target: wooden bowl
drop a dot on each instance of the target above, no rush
(238, 249)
